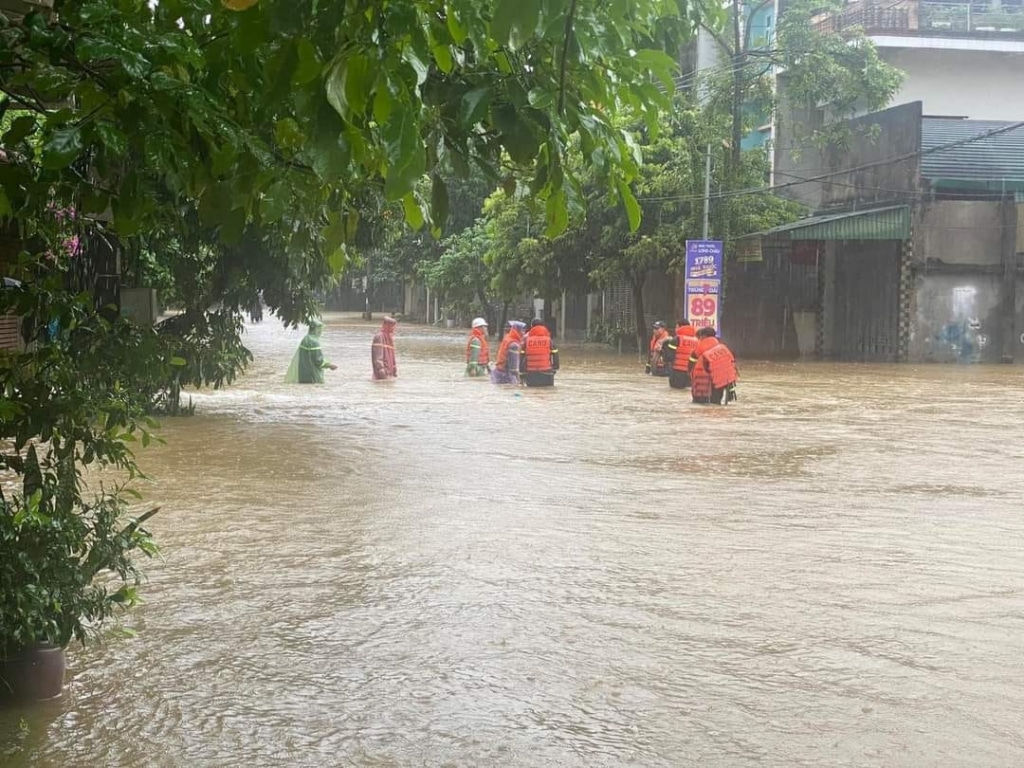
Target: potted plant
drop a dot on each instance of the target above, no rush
(70, 400)
(65, 569)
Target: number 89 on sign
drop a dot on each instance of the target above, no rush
(703, 306)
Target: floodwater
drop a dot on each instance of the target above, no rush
(437, 571)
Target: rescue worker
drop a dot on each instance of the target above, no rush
(308, 364)
(506, 367)
(382, 351)
(539, 360)
(676, 351)
(712, 370)
(655, 363)
(478, 355)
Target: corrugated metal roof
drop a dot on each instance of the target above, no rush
(976, 155)
(892, 223)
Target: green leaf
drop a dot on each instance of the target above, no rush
(406, 158)
(383, 103)
(62, 148)
(348, 86)
(519, 16)
(288, 134)
(223, 159)
(541, 98)
(631, 205)
(308, 68)
(338, 260)
(351, 225)
(519, 135)
(474, 106)
(503, 20)
(21, 128)
(275, 201)
(455, 28)
(413, 212)
(660, 64)
(417, 62)
(443, 57)
(557, 214)
(116, 142)
(335, 233)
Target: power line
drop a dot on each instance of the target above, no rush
(874, 164)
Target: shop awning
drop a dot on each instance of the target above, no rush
(892, 223)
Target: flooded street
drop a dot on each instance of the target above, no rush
(437, 571)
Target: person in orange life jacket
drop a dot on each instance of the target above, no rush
(478, 356)
(712, 370)
(655, 362)
(539, 360)
(677, 350)
(506, 367)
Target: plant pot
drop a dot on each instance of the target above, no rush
(34, 674)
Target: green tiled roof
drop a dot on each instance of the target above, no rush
(994, 162)
(892, 223)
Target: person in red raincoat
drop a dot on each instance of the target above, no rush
(382, 351)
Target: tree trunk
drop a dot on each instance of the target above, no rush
(636, 282)
(504, 319)
(481, 294)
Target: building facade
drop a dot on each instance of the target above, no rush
(914, 253)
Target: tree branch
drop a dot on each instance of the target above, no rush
(569, 20)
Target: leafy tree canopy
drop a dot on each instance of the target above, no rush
(255, 131)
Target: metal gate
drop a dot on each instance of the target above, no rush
(866, 324)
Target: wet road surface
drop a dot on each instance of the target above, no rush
(437, 571)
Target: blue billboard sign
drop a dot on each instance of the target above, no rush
(704, 259)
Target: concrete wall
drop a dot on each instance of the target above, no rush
(879, 163)
(956, 318)
(981, 85)
(965, 304)
(960, 232)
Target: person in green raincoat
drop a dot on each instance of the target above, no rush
(308, 364)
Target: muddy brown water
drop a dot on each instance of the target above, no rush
(437, 571)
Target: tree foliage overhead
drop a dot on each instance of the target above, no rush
(257, 130)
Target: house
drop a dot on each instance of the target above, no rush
(914, 252)
(959, 58)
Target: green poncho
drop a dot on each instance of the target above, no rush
(308, 364)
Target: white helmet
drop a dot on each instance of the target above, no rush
(479, 322)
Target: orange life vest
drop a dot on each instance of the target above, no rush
(720, 365)
(657, 339)
(538, 349)
(512, 337)
(703, 345)
(485, 355)
(687, 339)
(700, 377)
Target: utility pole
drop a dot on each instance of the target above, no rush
(707, 192)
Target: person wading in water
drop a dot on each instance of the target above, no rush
(712, 370)
(478, 354)
(382, 351)
(539, 361)
(308, 364)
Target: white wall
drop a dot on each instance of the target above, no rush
(980, 85)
